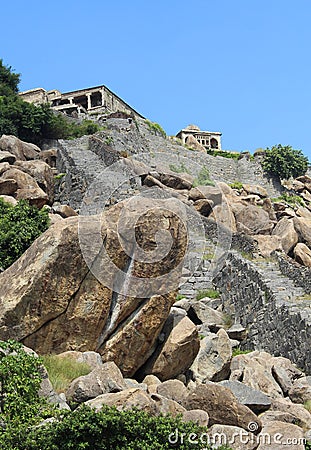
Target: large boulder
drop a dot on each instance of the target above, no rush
(41, 173)
(285, 230)
(255, 400)
(268, 244)
(282, 436)
(27, 187)
(23, 151)
(102, 380)
(236, 437)
(50, 299)
(254, 220)
(177, 353)
(212, 363)
(303, 228)
(222, 406)
(7, 157)
(172, 389)
(303, 254)
(300, 392)
(303, 417)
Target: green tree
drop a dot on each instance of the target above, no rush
(33, 123)
(20, 225)
(285, 161)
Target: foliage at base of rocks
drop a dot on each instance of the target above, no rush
(211, 293)
(20, 379)
(112, 429)
(20, 225)
(291, 199)
(62, 371)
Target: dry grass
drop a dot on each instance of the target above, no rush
(62, 371)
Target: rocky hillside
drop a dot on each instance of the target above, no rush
(166, 262)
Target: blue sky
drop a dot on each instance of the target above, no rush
(241, 67)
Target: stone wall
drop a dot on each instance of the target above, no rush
(275, 312)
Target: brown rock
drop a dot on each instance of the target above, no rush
(255, 219)
(125, 400)
(194, 144)
(270, 416)
(223, 215)
(303, 254)
(212, 363)
(303, 228)
(286, 231)
(41, 173)
(221, 406)
(4, 166)
(51, 300)
(197, 416)
(236, 437)
(303, 212)
(300, 392)
(65, 211)
(268, 244)
(212, 193)
(303, 417)
(20, 149)
(255, 369)
(172, 389)
(9, 199)
(28, 189)
(178, 352)
(166, 406)
(255, 190)
(174, 181)
(7, 157)
(204, 206)
(282, 436)
(102, 380)
(49, 156)
(8, 186)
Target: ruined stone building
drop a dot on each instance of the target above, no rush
(208, 139)
(90, 100)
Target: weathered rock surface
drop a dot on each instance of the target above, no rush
(102, 380)
(221, 406)
(124, 400)
(8, 186)
(303, 228)
(42, 173)
(282, 436)
(303, 254)
(255, 400)
(300, 392)
(303, 417)
(172, 389)
(268, 244)
(27, 187)
(92, 359)
(21, 150)
(235, 437)
(177, 353)
(197, 416)
(51, 300)
(7, 157)
(254, 219)
(213, 360)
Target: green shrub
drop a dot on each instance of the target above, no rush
(111, 429)
(33, 123)
(237, 351)
(179, 169)
(155, 128)
(285, 161)
(203, 178)
(211, 293)
(20, 379)
(291, 199)
(20, 225)
(62, 371)
(236, 185)
(223, 153)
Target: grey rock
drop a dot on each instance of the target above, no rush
(257, 401)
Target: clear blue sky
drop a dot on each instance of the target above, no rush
(241, 67)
